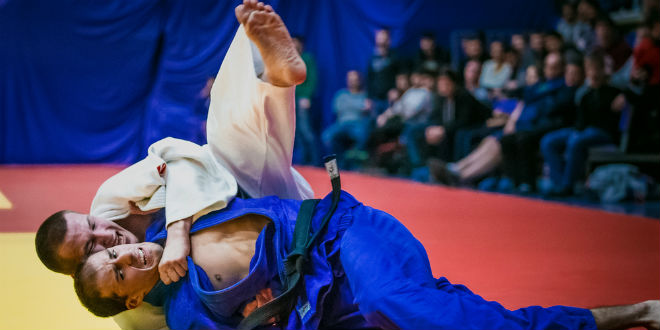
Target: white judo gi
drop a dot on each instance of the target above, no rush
(250, 131)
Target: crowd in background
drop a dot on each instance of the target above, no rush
(507, 112)
(500, 111)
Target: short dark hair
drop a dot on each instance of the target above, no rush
(554, 34)
(47, 242)
(428, 35)
(605, 20)
(84, 282)
(596, 57)
(451, 74)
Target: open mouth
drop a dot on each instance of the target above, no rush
(142, 256)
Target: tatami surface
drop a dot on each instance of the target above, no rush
(516, 251)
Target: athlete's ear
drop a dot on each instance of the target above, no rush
(133, 301)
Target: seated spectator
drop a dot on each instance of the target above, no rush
(454, 109)
(554, 42)
(430, 56)
(306, 139)
(473, 50)
(647, 51)
(495, 72)
(621, 79)
(353, 124)
(539, 102)
(415, 104)
(520, 149)
(413, 108)
(571, 29)
(402, 83)
(597, 123)
(644, 90)
(610, 41)
(537, 49)
(587, 13)
(471, 76)
(381, 71)
(516, 82)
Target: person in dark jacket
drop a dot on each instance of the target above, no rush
(537, 110)
(597, 123)
(520, 149)
(454, 109)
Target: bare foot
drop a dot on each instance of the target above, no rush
(283, 65)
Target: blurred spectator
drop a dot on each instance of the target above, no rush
(532, 76)
(430, 56)
(540, 108)
(609, 40)
(381, 71)
(621, 79)
(402, 83)
(518, 72)
(587, 12)
(353, 124)
(573, 31)
(415, 104)
(454, 109)
(554, 42)
(537, 48)
(647, 52)
(473, 50)
(519, 44)
(643, 93)
(306, 143)
(495, 72)
(413, 108)
(471, 76)
(520, 149)
(597, 123)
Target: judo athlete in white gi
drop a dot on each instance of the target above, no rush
(250, 131)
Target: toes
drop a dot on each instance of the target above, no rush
(268, 8)
(260, 6)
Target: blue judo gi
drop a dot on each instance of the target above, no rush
(365, 270)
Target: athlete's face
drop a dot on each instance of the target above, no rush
(86, 234)
(129, 270)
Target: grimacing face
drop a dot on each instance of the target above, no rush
(86, 235)
(129, 270)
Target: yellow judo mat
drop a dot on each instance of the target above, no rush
(34, 297)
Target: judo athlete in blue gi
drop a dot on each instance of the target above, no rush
(364, 269)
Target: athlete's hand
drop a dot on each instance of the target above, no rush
(173, 264)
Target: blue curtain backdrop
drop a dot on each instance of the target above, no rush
(98, 81)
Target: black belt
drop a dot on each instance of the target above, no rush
(296, 260)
